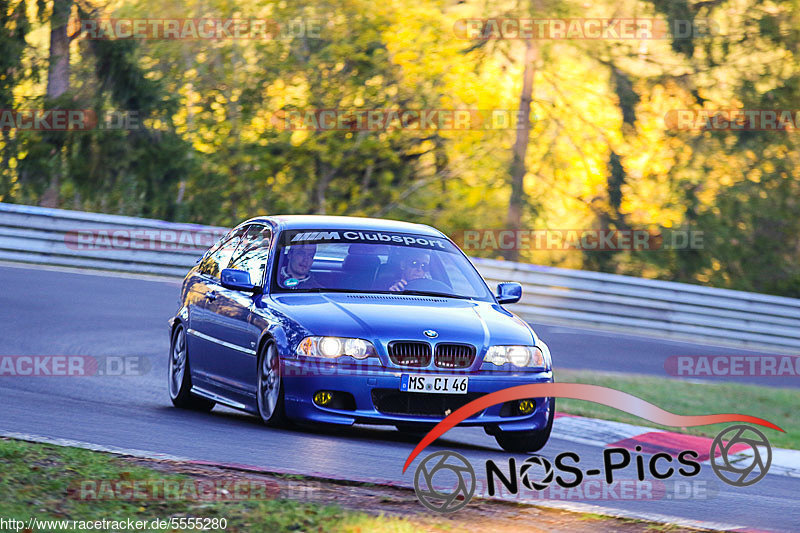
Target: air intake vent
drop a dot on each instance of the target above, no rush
(454, 355)
(394, 298)
(410, 353)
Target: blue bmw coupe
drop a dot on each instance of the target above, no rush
(352, 320)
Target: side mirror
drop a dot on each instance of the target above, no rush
(237, 280)
(509, 292)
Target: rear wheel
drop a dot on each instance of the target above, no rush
(527, 441)
(270, 387)
(180, 379)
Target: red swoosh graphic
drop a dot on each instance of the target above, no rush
(579, 391)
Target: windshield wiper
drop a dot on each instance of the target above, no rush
(315, 289)
(363, 291)
(432, 293)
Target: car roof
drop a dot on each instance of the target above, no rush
(355, 223)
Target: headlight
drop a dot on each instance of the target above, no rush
(521, 356)
(333, 347)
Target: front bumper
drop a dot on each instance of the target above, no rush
(364, 386)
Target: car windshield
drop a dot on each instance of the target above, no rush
(374, 261)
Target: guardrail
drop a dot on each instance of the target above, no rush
(550, 295)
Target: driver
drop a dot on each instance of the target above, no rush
(296, 271)
(414, 266)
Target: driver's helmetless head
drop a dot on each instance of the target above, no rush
(301, 257)
(415, 266)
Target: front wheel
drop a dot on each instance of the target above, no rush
(180, 380)
(527, 441)
(270, 387)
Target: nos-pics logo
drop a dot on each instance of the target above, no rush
(448, 469)
(445, 481)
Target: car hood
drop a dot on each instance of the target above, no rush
(387, 317)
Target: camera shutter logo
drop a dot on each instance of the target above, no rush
(546, 479)
(737, 473)
(444, 500)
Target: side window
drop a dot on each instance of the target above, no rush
(253, 252)
(219, 257)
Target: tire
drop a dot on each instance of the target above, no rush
(270, 393)
(179, 377)
(527, 441)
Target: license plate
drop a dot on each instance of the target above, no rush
(434, 384)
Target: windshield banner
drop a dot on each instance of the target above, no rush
(345, 236)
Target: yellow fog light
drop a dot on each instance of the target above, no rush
(323, 397)
(526, 407)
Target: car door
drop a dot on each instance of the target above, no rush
(234, 366)
(204, 346)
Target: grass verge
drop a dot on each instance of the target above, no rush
(40, 480)
(776, 405)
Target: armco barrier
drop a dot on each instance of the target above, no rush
(52, 236)
(550, 295)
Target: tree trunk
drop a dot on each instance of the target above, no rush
(58, 73)
(57, 84)
(518, 199)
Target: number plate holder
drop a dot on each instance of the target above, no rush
(434, 384)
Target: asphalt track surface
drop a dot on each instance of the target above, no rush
(53, 312)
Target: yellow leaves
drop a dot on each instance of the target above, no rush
(706, 196)
(298, 137)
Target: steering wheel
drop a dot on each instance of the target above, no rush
(425, 284)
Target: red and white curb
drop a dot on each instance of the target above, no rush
(605, 433)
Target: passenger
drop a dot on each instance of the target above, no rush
(414, 266)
